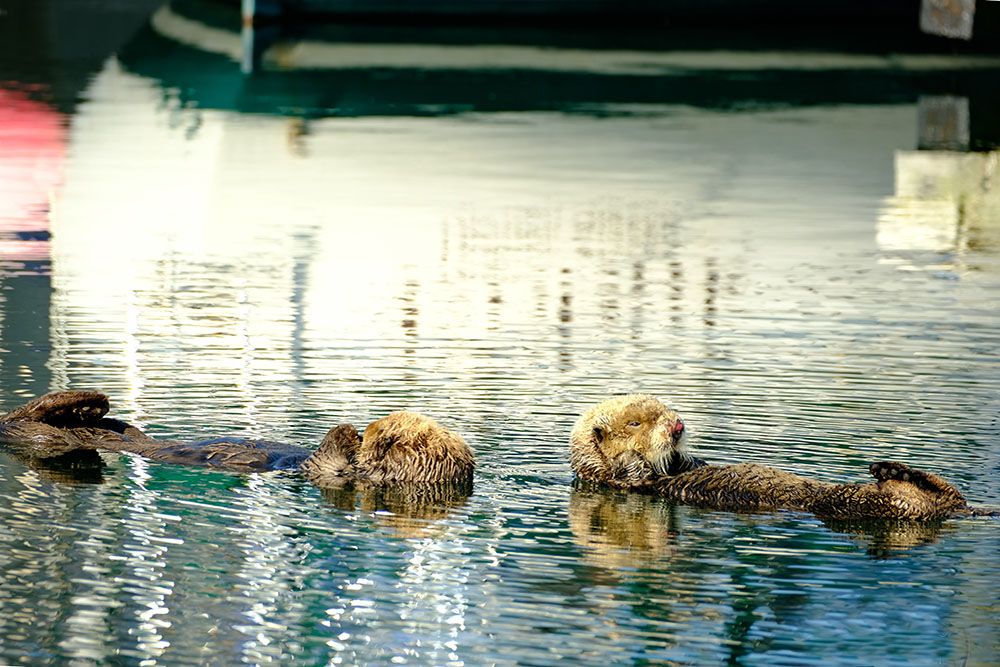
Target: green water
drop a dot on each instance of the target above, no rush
(779, 267)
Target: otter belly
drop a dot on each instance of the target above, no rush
(741, 487)
(231, 453)
(900, 493)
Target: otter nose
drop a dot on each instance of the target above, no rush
(678, 429)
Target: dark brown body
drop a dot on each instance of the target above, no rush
(402, 447)
(635, 442)
(900, 492)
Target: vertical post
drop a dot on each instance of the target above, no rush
(948, 18)
(247, 36)
(943, 123)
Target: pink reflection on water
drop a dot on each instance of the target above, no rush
(32, 150)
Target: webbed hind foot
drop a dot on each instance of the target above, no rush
(62, 409)
(913, 485)
(893, 470)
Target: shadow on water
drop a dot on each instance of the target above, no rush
(407, 510)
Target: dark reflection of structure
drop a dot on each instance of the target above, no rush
(24, 329)
(410, 510)
(637, 297)
(495, 301)
(566, 308)
(565, 316)
(68, 42)
(55, 33)
(297, 134)
(177, 51)
(959, 123)
(676, 290)
(410, 313)
(711, 291)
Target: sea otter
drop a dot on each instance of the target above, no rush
(620, 531)
(402, 447)
(637, 442)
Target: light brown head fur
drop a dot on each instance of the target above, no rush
(628, 441)
(400, 447)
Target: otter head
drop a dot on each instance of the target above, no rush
(409, 447)
(402, 447)
(628, 441)
(334, 461)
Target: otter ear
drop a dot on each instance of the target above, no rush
(599, 434)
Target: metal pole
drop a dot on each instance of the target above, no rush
(249, 11)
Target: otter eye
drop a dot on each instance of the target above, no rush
(633, 424)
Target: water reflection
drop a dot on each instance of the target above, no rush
(79, 468)
(761, 575)
(32, 150)
(409, 510)
(943, 215)
(622, 530)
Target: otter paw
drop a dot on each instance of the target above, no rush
(629, 469)
(62, 408)
(887, 470)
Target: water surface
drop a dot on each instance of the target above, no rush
(770, 270)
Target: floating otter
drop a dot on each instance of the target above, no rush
(619, 531)
(402, 447)
(637, 442)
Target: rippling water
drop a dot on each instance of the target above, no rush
(771, 272)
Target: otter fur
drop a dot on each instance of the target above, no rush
(402, 447)
(637, 442)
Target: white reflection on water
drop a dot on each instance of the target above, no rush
(266, 575)
(501, 216)
(945, 211)
(435, 601)
(144, 554)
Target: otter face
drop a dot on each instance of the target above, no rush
(628, 441)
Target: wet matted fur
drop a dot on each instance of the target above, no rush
(401, 447)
